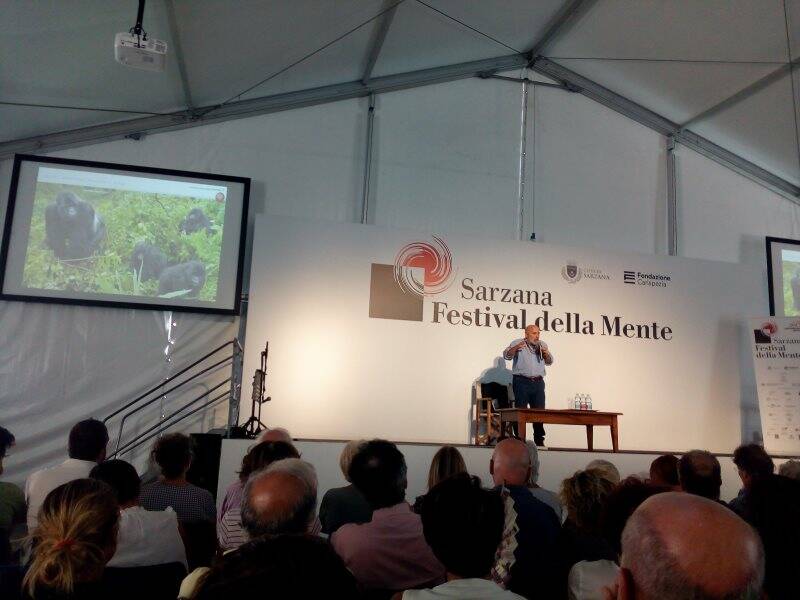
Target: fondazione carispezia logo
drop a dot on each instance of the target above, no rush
(648, 279)
(572, 273)
(420, 269)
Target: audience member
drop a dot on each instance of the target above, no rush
(791, 469)
(86, 448)
(587, 579)
(463, 525)
(12, 501)
(526, 562)
(606, 469)
(773, 508)
(280, 499)
(346, 504)
(546, 496)
(700, 474)
(260, 456)
(390, 552)
(173, 454)
(145, 537)
(753, 463)
(75, 538)
(277, 434)
(677, 546)
(283, 566)
(664, 472)
(445, 463)
(584, 495)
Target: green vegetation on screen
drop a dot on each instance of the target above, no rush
(130, 217)
(789, 270)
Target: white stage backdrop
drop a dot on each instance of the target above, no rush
(382, 332)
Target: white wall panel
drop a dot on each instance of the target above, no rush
(725, 216)
(598, 176)
(447, 158)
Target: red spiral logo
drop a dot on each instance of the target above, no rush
(435, 258)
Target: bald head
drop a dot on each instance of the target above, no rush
(279, 434)
(683, 546)
(511, 463)
(532, 333)
(277, 502)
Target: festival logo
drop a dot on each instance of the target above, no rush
(764, 335)
(420, 270)
(571, 272)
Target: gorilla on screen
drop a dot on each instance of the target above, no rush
(189, 276)
(148, 261)
(195, 221)
(73, 230)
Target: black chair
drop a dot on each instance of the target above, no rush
(490, 396)
(157, 582)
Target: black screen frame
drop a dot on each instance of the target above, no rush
(770, 283)
(9, 221)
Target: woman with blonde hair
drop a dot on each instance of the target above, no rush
(584, 497)
(346, 504)
(445, 463)
(76, 536)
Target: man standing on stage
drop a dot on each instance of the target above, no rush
(530, 355)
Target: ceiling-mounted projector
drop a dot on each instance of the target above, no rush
(140, 53)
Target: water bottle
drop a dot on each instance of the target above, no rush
(577, 402)
(583, 401)
(588, 402)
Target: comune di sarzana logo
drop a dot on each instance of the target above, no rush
(420, 269)
(572, 273)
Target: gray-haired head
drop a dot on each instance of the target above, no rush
(280, 499)
(677, 546)
(606, 469)
(533, 452)
(276, 434)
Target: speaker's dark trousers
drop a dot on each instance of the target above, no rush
(530, 394)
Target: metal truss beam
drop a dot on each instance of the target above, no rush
(264, 105)
(664, 126)
(565, 18)
(380, 37)
(745, 93)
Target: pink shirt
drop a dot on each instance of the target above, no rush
(389, 552)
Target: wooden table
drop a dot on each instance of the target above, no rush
(589, 418)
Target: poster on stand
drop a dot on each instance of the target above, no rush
(776, 358)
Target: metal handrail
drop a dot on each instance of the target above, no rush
(170, 378)
(164, 426)
(164, 393)
(157, 425)
(237, 351)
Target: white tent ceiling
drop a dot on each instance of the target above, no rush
(720, 66)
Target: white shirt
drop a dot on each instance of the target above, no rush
(588, 578)
(148, 538)
(465, 589)
(42, 482)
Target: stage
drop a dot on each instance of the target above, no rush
(554, 464)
